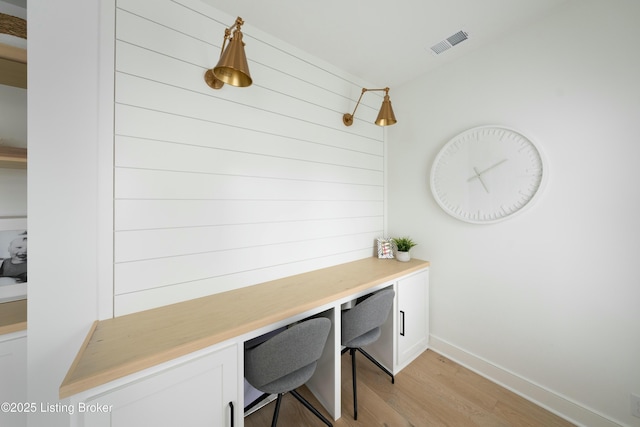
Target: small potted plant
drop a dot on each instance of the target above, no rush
(403, 246)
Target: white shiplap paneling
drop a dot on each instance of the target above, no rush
(221, 189)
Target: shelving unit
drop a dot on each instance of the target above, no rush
(13, 157)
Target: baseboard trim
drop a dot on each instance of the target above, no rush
(541, 396)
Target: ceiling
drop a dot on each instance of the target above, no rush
(386, 45)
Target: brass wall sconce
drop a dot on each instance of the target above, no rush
(232, 67)
(385, 116)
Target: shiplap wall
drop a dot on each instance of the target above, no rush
(216, 190)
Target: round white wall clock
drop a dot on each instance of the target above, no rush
(487, 174)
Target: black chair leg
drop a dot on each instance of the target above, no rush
(256, 402)
(277, 411)
(368, 356)
(355, 389)
(310, 407)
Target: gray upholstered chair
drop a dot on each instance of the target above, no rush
(287, 361)
(361, 326)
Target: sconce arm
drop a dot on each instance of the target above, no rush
(347, 118)
(227, 32)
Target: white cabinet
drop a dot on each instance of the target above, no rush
(405, 335)
(204, 388)
(13, 378)
(202, 391)
(412, 293)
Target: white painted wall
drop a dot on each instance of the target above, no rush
(546, 302)
(216, 190)
(63, 108)
(13, 192)
(13, 116)
(287, 187)
(548, 296)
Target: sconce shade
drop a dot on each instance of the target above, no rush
(386, 116)
(232, 67)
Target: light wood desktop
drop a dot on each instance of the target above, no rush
(121, 346)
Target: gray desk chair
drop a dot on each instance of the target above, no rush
(361, 327)
(287, 361)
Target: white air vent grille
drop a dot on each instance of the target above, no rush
(449, 42)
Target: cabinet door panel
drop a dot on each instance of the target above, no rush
(13, 376)
(196, 393)
(412, 316)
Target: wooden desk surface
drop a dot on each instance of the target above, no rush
(127, 344)
(13, 316)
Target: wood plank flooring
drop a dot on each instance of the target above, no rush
(431, 391)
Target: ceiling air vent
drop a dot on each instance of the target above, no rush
(449, 42)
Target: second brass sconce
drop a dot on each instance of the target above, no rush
(385, 116)
(232, 67)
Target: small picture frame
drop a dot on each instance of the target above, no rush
(13, 259)
(385, 248)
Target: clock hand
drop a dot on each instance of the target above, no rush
(493, 166)
(478, 175)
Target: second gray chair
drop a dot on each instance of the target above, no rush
(361, 327)
(287, 361)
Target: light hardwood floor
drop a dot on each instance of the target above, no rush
(431, 391)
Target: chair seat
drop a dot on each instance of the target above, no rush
(364, 339)
(361, 326)
(287, 360)
(290, 381)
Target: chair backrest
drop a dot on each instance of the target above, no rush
(367, 315)
(295, 348)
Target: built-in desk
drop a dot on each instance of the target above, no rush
(121, 346)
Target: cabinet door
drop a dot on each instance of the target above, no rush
(412, 317)
(13, 377)
(200, 392)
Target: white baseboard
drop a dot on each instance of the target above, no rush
(541, 396)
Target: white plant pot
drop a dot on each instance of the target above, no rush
(403, 256)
